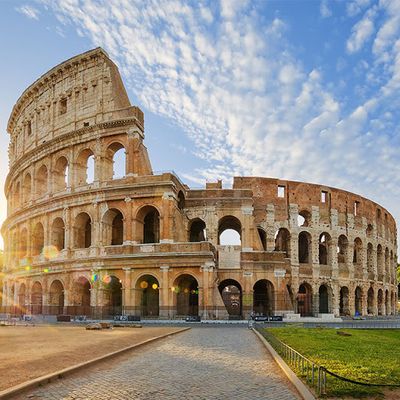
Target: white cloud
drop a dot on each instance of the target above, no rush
(29, 11)
(249, 106)
(356, 6)
(324, 9)
(361, 32)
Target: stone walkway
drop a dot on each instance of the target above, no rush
(203, 363)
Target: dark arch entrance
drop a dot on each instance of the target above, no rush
(231, 293)
(370, 301)
(263, 298)
(81, 297)
(56, 300)
(113, 295)
(186, 290)
(37, 298)
(323, 300)
(148, 290)
(344, 308)
(358, 301)
(304, 300)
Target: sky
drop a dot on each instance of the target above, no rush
(299, 90)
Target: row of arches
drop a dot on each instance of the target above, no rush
(112, 231)
(60, 176)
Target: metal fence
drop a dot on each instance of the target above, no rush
(315, 375)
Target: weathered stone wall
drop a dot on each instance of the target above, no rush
(68, 239)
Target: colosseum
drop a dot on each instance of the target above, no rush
(144, 244)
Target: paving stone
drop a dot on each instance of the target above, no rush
(203, 363)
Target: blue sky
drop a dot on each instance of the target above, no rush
(302, 90)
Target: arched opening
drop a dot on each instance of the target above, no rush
(263, 297)
(115, 161)
(357, 258)
(323, 300)
(304, 218)
(181, 200)
(60, 174)
(370, 262)
(83, 231)
(229, 231)
(186, 290)
(23, 244)
(387, 264)
(27, 188)
(22, 299)
(56, 298)
(58, 234)
(41, 181)
(381, 311)
(344, 306)
(148, 293)
(37, 298)
(358, 301)
(37, 239)
(197, 231)
(263, 238)
(342, 249)
(304, 300)
(370, 301)
(81, 297)
(379, 257)
(387, 303)
(231, 293)
(304, 247)
(323, 249)
(113, 228)
(112, 295)
(282, 241)
(369, 231)
(85, 166)
(17, 195)
(149, 219)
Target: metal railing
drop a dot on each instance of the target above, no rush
(315, 375)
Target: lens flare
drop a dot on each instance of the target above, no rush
(94, 278)
(107, 279)
(154, 286)
(50, 252)
(45, 270)
(144, 285)
(28, 268)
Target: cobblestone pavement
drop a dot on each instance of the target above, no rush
(202, 363)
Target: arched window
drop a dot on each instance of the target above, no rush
(58, 234)
(304, 218)
(36, 298)
(37, 239)
(17, 195)
(85, 166)
(83, 231)
(229, 231)
(263, 238)
(379, 256)
(342, 249)
(357, 259)
(370, 264)
(113, 227)
(282, 241)
(197, 230)
(181, 200)
(323, 248)
(23, 249)
(304, 247)
(115, 162)
(27, 188)
(56, 298)
(41, 181)
(148, 221)
(61, 174)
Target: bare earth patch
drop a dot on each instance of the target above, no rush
(28, 352)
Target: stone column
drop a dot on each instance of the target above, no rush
(127, 293)
(247, 228)
(165, 306)
(270, 227)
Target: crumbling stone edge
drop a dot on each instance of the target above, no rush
(33, 383)
(301, 388)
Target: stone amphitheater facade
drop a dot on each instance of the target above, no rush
(146, 244)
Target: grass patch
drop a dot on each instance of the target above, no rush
(367, 355)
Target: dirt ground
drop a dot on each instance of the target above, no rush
(28, 352)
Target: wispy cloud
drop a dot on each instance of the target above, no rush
(29, 11)
(233, 83)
